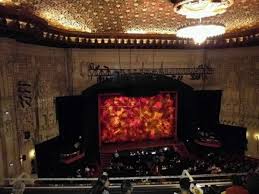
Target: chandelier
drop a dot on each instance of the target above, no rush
(200, 32)
(201, 8)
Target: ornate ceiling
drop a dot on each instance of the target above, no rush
(131, 16)
(121, 23)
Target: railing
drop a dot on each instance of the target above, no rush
(145, 181)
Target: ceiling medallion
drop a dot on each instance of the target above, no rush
(200, 32)
(201, 8)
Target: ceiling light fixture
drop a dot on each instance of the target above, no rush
(200, 32)
(201, 8)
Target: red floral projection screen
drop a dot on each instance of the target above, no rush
(130, 119)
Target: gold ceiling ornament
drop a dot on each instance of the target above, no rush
(68, 22)
(200, 32)
(152, 30)
(6, 2)
(134, 16)
(201, 8)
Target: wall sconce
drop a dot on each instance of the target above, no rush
(7, 116)
(32, 154)
(256, 136)
(247, 134)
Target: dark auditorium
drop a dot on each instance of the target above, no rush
(129, 96)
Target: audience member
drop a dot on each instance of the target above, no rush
(237, 187)
(126, 187)
(18, 187)
(169, 162)
(101, 186)
(253, 182)
(185, 186)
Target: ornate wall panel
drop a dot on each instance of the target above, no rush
(42, 77)
(8, 133)
(32, 78)
(237, 75)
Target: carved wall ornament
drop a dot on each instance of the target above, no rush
(24, 92)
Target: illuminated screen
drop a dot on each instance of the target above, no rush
(130, 119)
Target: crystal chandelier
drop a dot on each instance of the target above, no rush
(200, 32)
(201, 8)
(198, 9)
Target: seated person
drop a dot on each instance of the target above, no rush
(185, 186)
(236, 187)
(18, 187)
(101, 186)
(126, 187)
(253, 182)
(195, 189)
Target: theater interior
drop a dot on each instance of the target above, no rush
(149, 91)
